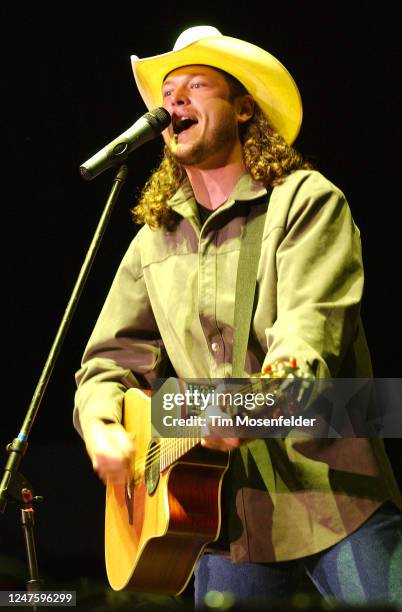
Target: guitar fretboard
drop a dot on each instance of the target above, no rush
(172, 449)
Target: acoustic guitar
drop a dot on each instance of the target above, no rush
(158, 524)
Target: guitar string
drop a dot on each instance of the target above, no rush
(165, 447)
(147, 461)
(141, 465)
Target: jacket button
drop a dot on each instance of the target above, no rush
(215, 347)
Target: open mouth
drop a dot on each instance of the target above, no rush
(180, 124)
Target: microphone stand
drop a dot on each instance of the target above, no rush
(14, 487)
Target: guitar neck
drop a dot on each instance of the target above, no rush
(172, 449)
(285, 382)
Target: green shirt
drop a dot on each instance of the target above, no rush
(173, 295)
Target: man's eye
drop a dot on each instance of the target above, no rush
(167, 92)
(196, 85)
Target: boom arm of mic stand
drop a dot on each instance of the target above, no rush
(13, 485)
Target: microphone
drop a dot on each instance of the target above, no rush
(146, 128)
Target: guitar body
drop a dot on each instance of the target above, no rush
(158, 525)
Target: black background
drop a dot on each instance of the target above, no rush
(68, 89)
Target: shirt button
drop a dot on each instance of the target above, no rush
(215, 347)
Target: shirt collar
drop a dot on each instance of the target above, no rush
(246, 189)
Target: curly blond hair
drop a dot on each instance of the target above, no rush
(266, 155)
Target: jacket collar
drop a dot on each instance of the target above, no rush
(246, 189)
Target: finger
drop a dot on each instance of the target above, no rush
(116, 479)
(114, 476)
(122, 444)
(232, 442)
(222, 444)
(214, 444)
(106, 462)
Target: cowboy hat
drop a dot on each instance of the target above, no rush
(264, 77)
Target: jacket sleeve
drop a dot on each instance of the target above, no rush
(319, 281)
(124, 350)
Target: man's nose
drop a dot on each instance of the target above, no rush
(179, 96)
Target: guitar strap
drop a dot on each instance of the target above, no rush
(246, 280)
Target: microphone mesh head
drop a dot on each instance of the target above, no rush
(158, 118)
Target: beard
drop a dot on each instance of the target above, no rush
(215, 144)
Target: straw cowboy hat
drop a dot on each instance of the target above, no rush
(264, 77)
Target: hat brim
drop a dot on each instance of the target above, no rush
(264, 77)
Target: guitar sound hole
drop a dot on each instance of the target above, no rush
(152, 468)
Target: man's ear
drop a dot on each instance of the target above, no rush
(244, 107)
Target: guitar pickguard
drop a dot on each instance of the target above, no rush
(129, 497)
(152, 468)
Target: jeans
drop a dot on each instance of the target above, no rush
(366, 566)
